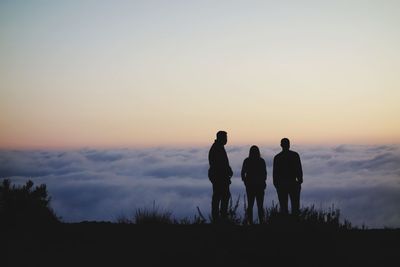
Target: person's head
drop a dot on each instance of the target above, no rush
(222, 137)
(254, 152)
(285, 144)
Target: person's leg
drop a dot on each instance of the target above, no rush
(216, 199)
(283, 199)
(225, 195)
(260, 205)
(295, 199)
(250, 204)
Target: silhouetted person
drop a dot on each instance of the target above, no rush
(220, 174)
(254, 175)
(288, 177)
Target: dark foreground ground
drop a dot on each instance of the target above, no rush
(106, 244)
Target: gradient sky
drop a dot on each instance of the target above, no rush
(161, 73)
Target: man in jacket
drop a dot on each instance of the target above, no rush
(288, 177)
(220, 174)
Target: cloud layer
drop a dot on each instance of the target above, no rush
(89, 184)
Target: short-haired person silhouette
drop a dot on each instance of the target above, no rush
(288, 177)
(254, 176)
(220, 174)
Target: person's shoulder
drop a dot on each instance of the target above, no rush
(278, 155)
(214, 145)
(213, 148)
(246, 160)
(294, 153)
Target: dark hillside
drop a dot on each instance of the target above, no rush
(107, 244)
(32, 235)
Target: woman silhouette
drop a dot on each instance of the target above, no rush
(254, 176)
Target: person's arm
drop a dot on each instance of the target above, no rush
(230, 171)
(224, 155)
(211, 161)
(275, 172)
(264, 170)
(299, 170)
(211, 157)
(244, 170)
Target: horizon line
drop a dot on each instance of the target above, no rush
(190, 146)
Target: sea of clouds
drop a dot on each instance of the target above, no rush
(90, 184)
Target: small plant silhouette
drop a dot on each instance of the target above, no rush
(199, 219)
(233, 215)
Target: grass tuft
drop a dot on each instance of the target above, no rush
(153, 216)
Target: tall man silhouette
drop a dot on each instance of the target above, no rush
(220, 174)
(288, 177)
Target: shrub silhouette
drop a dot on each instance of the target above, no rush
(20, 205)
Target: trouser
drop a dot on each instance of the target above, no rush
(220, 200)
(255, 194)
(292, 191)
